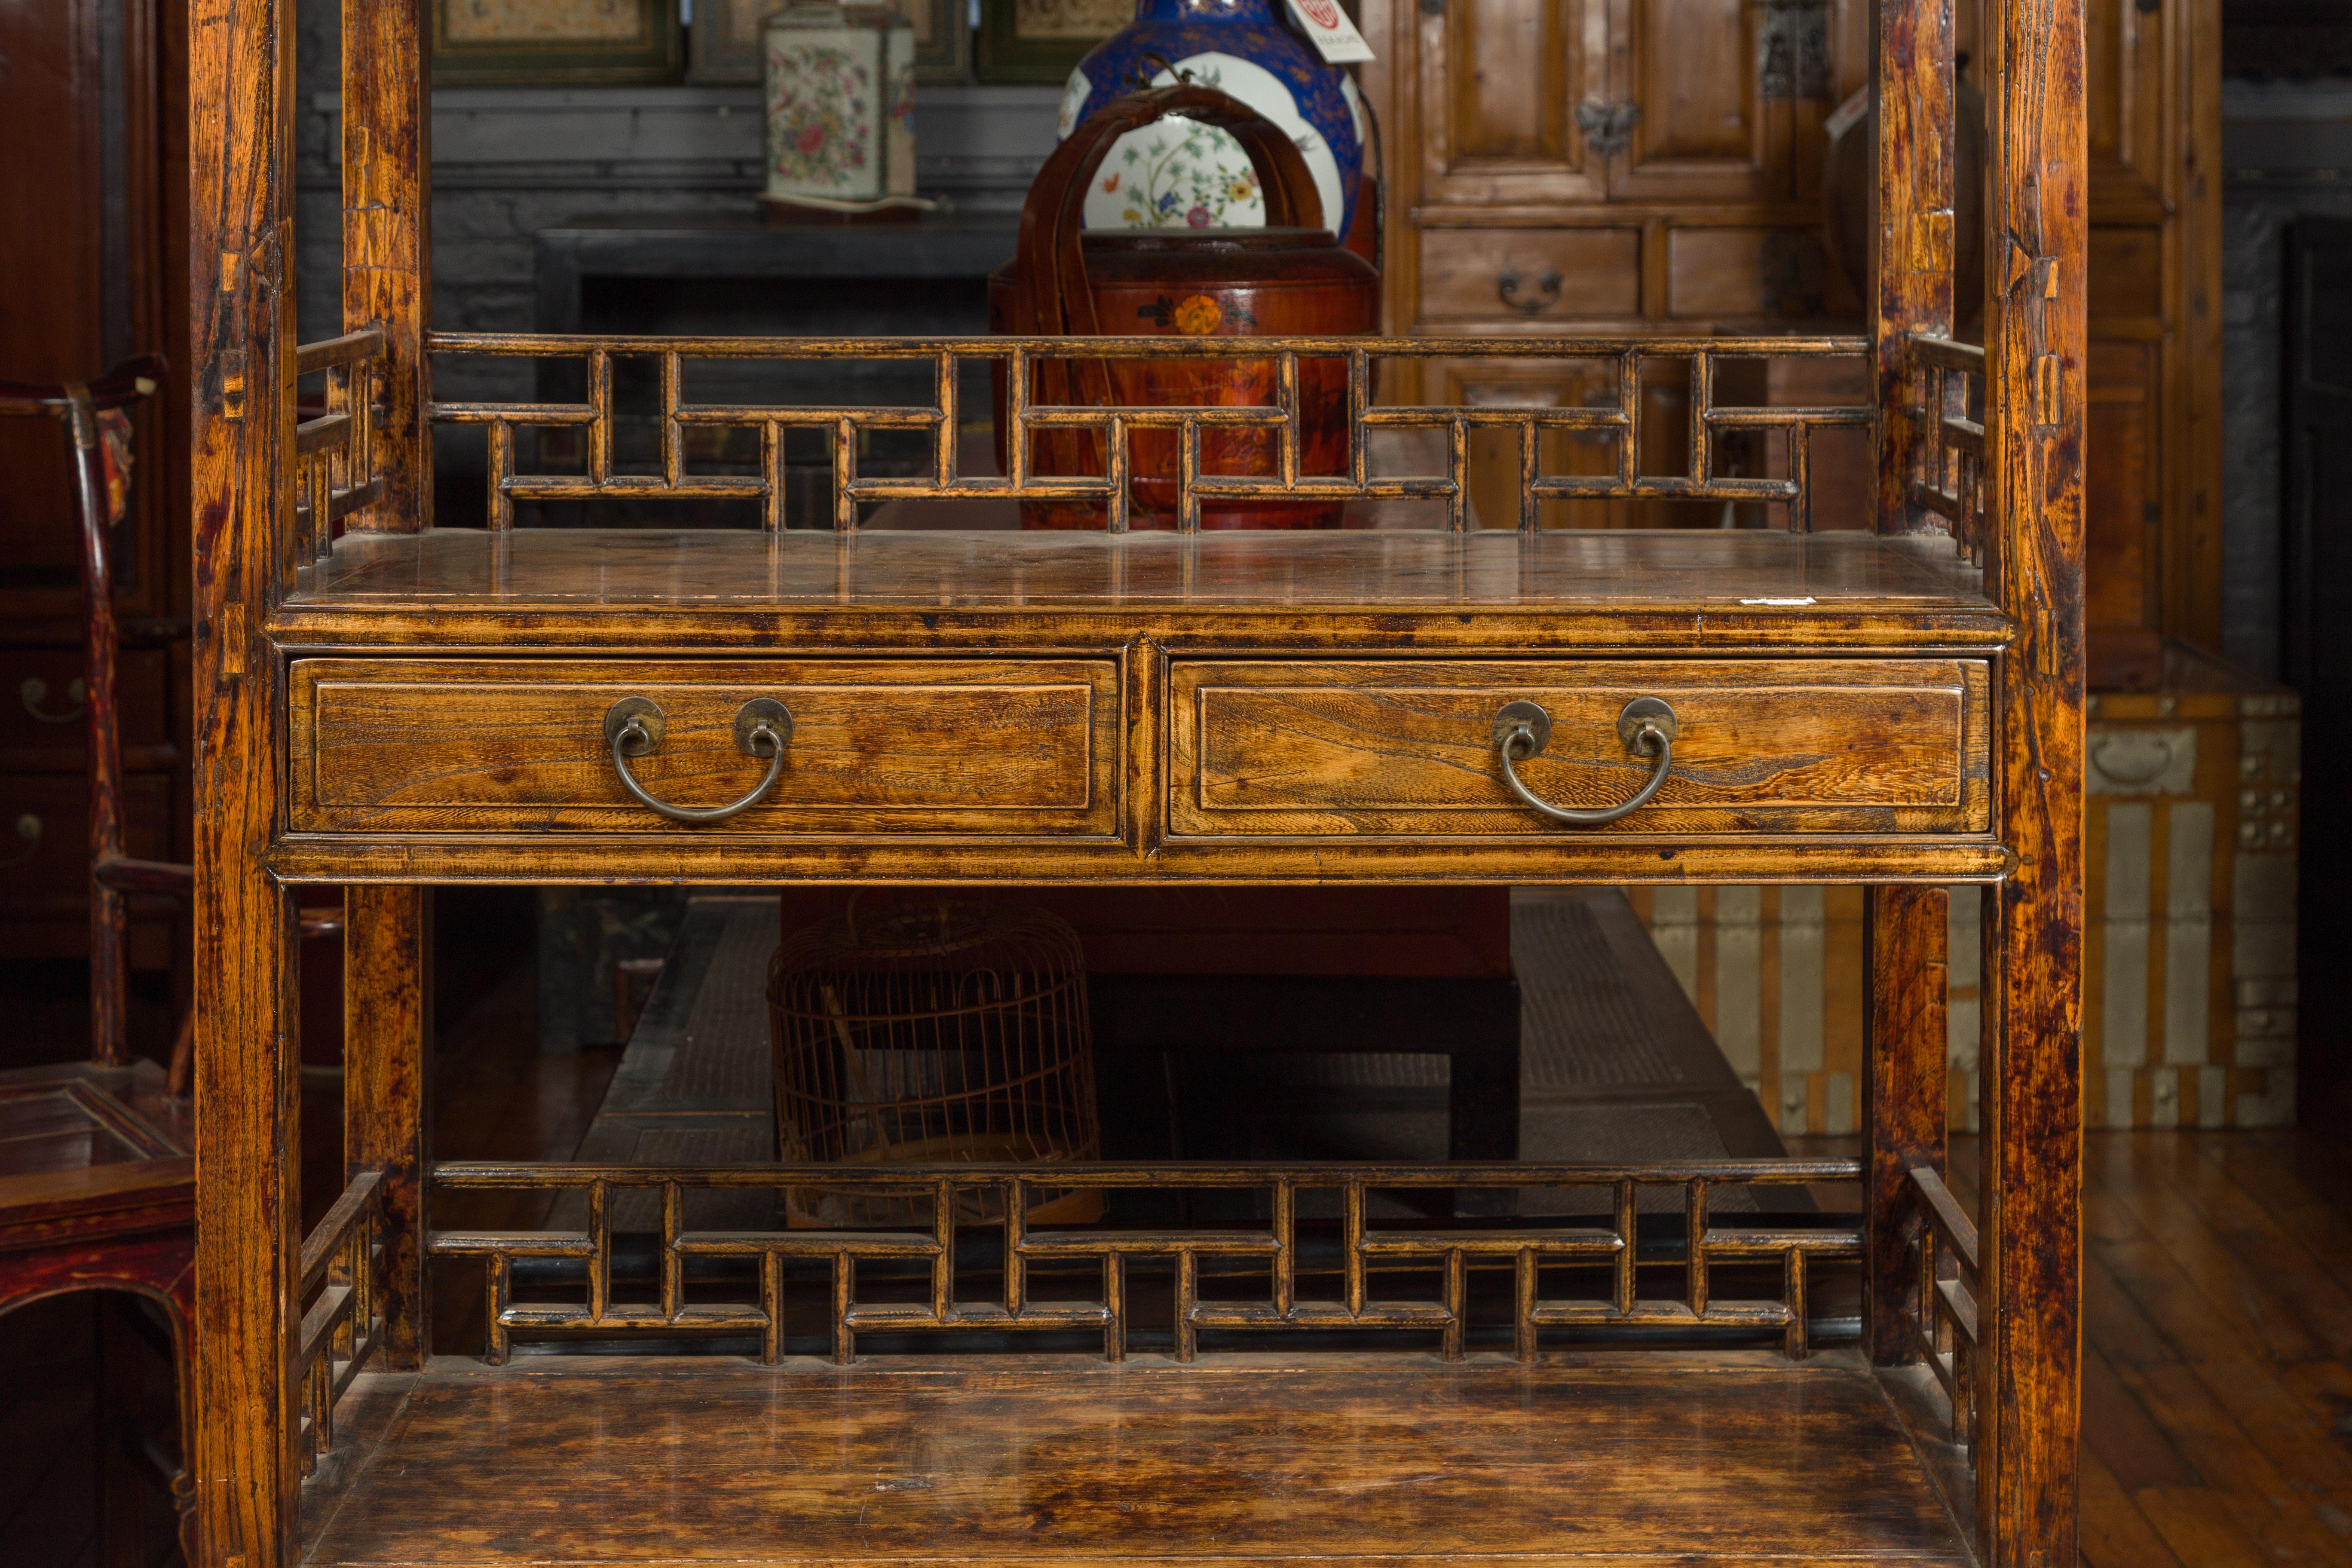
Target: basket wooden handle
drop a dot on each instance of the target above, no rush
(1051, 296)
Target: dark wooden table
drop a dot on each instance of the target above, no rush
(662, 254)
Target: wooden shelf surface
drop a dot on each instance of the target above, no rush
(1605, 1461)
(1899, 589)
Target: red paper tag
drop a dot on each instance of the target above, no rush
(1335, 38)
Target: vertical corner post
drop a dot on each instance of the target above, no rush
(246, 1390)
(1905, 931)
(387, 1103)
(388, 240)
(1910, 233)
(2037, 234)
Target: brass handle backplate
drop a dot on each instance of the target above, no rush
(1646, 725)
(634, 726)
(1507, 289)
(1607, 127)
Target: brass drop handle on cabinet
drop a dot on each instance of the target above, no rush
(36, 691)
(29, 829)
(1507, 289)
(634, 726)
(1646, 725)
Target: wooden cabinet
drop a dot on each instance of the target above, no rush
(1572, 165)
(2152, 429)
(1561, 164)
(93, 277)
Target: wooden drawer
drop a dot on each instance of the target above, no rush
(1395, 746)
(1532, 274)
(877, 746)
(44, 861)
(42, 723)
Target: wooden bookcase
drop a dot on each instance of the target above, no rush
(1351, 1361)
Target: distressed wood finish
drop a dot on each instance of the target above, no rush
(1795, 1463)
(241, 314)
(1147, 856)
(1354, 1461)
(640, 586)
(1902, 1093)
(1911, 238)
(1392, 747)
(387, 1098)
(2035, 338)
(909, 746)
(387, 124)
(1257, 1288)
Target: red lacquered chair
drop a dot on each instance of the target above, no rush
(97, 1168)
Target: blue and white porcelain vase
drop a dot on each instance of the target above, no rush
(1178, 173)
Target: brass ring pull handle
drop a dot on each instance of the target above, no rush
(1646, 725)
(634, 726)
(1507, 289)
(36, 691)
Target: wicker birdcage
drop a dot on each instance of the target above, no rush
(932, 1031)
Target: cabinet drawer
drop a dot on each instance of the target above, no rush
(1760, 746)
(1535, 274)
(44, 852)
(875, 745)
(42, 723)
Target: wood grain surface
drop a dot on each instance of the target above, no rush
(1263, 1459)
(910, 746)
(602, 572)
(1390, 746)
(387, 1116)
(2028, 1400)
(1905, 932)
(243, 1384)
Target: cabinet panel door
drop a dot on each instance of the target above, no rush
(2122, 481)
(2124, 92)
(1706, 131)
(1500, 80)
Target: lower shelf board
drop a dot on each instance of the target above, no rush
(1601, 1461)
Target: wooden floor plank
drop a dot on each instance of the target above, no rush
(2197, 1349)
(2265, 1168)
(2274, 1515)
(2116, 1322)
(2265, 1251)
(2130, 1442)
(1353, 1458)
(2126, 1191)
(2196, 1526)
(2114, 1532)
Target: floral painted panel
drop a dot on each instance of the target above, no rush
(1070, 18)
(544, 21)
(821, 113)
(841, 110)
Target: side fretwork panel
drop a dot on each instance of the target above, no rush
(1391, 746)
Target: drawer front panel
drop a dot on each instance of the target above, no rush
(1530, 274)
(1762, 746)
(877, 746)
(42, 711)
